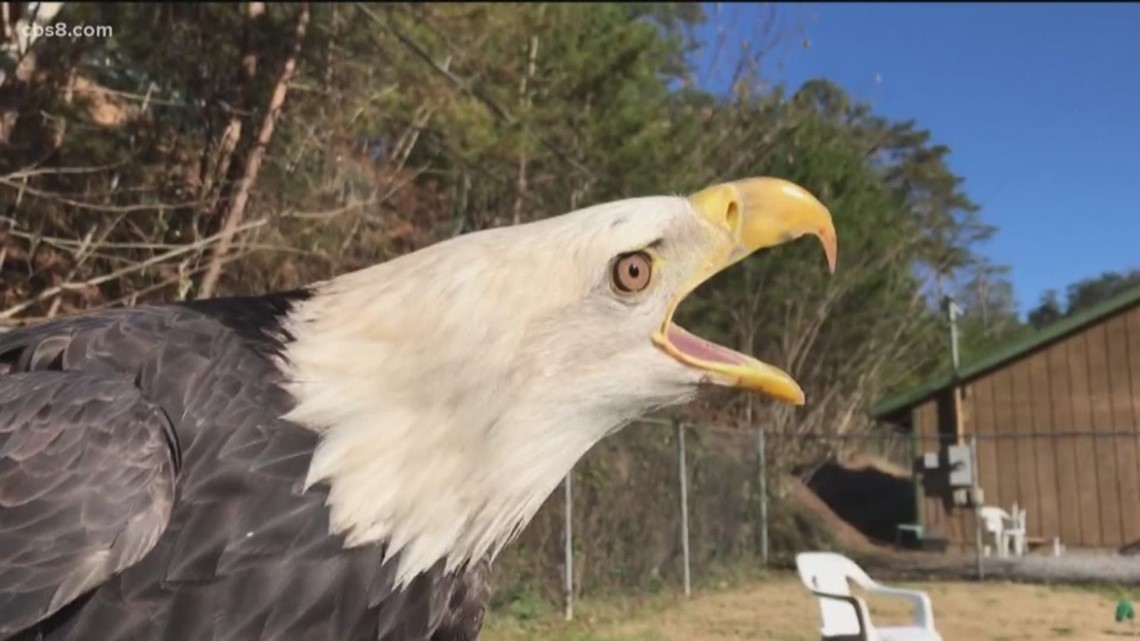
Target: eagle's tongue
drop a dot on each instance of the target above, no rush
(699, 348)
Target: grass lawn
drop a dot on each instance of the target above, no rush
(778, 607)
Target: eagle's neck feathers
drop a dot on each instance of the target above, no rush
(447, 419)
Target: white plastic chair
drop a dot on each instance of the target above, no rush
(994, 520)
(1013, 532)
(1007, 530)
(844, 616)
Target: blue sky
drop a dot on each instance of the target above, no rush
(1039, 103)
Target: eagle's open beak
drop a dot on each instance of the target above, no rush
(756, 213)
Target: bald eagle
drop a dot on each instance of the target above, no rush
(343, 462)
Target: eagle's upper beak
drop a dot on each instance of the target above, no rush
(756, 213)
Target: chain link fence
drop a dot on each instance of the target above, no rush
(674, 505)
(666, 504)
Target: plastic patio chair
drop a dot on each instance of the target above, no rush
(844, 616)
(1007, 530)
(994, 520)
(1013, 532)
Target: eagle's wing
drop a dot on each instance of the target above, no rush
(87, 474)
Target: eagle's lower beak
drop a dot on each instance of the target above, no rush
(755, 213)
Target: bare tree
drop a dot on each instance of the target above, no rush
(17, 44)
(236, 210)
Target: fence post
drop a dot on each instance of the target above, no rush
(918, 474)
(684, 504)
(977, 507)
(761, 454)
(567, 528)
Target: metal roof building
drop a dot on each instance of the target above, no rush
(1056, 419)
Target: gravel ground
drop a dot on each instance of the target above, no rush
(1073, 567)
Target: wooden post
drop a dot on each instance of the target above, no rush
(918, 464)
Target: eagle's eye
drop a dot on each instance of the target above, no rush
(632, 272)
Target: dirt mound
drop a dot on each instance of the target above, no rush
(847, 536)
(868, 462)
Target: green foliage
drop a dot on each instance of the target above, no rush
(1082, 295)
(520, 604)
(408, 123)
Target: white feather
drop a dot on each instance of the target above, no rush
(456, 386)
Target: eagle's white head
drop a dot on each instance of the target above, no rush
(457, 385)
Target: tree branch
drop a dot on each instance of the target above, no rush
(52, 292)
(253, 162)
(495, 108)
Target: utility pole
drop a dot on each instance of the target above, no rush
(952, 314)
(953, 311)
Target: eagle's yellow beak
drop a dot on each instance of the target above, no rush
(752, 214)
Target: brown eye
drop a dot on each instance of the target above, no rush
(632, 272)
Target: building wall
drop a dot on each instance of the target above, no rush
(1053, 412)
(933, 423)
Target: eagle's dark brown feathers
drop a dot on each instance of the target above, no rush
(150, 491)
